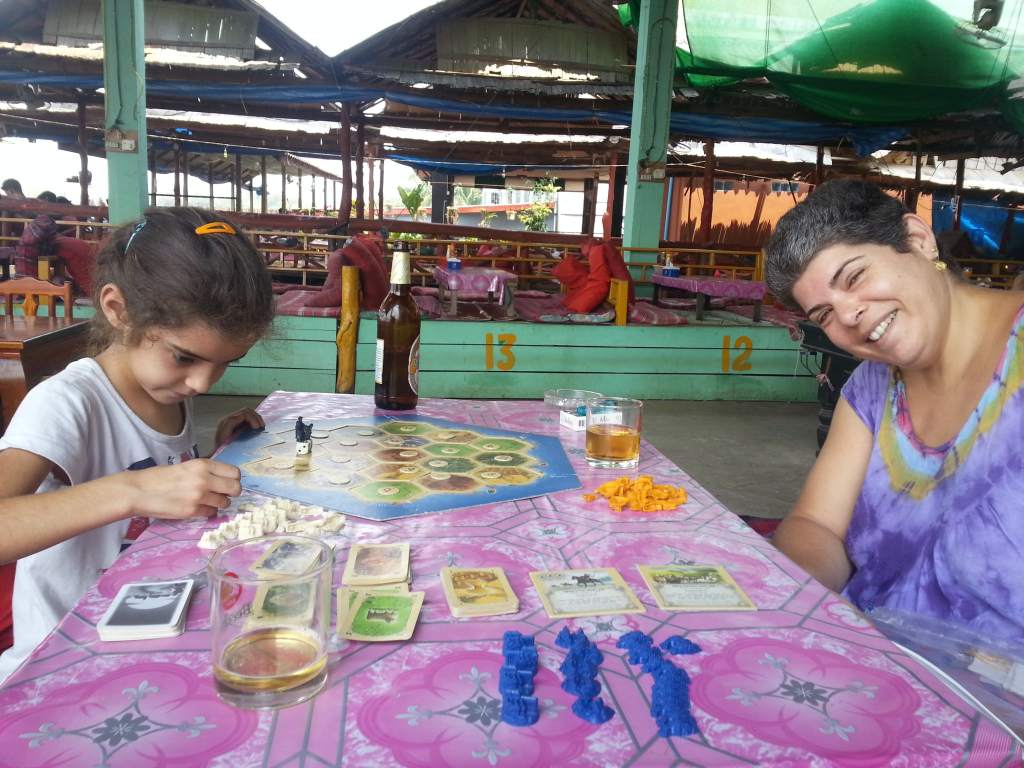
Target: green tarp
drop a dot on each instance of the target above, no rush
(885, 61)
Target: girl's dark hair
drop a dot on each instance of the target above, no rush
(171, 277)
(842, 211)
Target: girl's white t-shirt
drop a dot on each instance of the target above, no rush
(78, 421)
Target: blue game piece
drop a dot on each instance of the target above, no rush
(677, 726)
(630, 639)
(592, 710)
(525, 658)
(564, 638)
(680, 646)
(520, 710)
(582, 686)
(512, 680)
(593, 656)
(515, 641)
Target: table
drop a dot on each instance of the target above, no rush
(720, 287)
(32, 348)
(473, 284)
(806, 680)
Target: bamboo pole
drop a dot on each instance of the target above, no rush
(184, 178)
(345, 207)
(348, 329)
(263, 181)
(83, 155)
(360, 153)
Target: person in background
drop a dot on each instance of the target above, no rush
(47, 197)
(179, 295)
(12, 188)
(914, 502)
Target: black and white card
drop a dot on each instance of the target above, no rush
(146, 610)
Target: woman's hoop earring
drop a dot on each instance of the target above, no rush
(939, 265)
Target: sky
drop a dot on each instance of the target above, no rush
(332, 27)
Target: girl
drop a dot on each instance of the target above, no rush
(178, 297)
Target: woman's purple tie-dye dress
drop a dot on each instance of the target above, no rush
(940, 530)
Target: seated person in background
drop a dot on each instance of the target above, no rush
(914, 503)
(12, 188)
(47, 197)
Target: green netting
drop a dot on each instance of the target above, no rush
(882, 61)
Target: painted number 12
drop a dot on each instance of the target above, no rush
(505, 343)
(740, 361)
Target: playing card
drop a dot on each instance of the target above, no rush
(378, 617)
(347, 598)
(478, 592)
(584, 592)
(695, 588)
(287, 603)
(290, 558)
(370, 564)
(146, 610)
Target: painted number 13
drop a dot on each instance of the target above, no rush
(505, 343)
(740, 361)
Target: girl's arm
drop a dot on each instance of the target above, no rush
(32, 522)
(814, 532)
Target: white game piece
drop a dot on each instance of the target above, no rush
(293, 514)
(228, 529)
(334, 523)
(209, 540)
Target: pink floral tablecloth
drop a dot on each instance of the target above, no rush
(804, 681)
(752, 290)
(475, 283)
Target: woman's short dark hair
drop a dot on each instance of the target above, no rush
(11, 185)
(171, 277)
(842, 211)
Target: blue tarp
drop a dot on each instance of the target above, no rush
(865, 139)
(983, 221)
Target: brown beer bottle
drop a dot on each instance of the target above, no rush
(397, 369)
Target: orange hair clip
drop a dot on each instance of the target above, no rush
(216, 228)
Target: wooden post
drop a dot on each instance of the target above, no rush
(238, 183)
(152, 176)
(325, 194)
(819, 166)
(83, 155)
(1004, 242)
(284, 185)
(370, 197)
(380, 192)
(589, 206)
(616, 191)
(345, 207)
(209, 181)
(252, 208)
(263, 181)
(360, 192)
(959, 194)
(177, 174)
(334, 195)
(184, 172)
(708, 188)
(312, 193)
(299, 170)
(348, 329)
(915, 191)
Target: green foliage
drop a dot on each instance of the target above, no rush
(413, 198)
(534, 218)
(487, 218)
(468, 196)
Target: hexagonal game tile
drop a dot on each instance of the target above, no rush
(390, 492)
(396, 472)
(454, 436)
(506, 476)
(499, 444)
(503, 459)
(450, 451)
(451, 466)
(442, 481)
(406, 428)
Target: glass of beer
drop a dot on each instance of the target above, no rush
(270, 620)
(613, 432)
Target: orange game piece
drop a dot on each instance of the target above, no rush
(640, 495)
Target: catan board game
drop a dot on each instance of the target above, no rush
(383, 468)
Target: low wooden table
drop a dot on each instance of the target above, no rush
(719, 287)
(486, 284)
(32, 348)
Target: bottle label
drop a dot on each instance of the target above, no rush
(378, 363)
(414, 367)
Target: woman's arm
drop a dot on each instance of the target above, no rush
(32, 522)
(813, 533)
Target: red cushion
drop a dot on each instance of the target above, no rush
(79, 256)
(365, 253)
(595, 290)
(570, 273)
(330, 294)
(617, 267)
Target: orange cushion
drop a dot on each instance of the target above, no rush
(79, 256)
(617, 267)
(593, 293)
(570, 273)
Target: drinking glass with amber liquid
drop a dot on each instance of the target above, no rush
(270, 620)
(613, 432)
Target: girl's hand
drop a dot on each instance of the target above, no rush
(196, 487)
(231, 423)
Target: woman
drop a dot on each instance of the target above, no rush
(915, 502)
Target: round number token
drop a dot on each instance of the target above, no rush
(348, 443)
(503, 458)
(439, 476)
(437, 463)
(388, 490)
(491, 475)
(449, 450)
(407, 428)
(408, 454)
(489, 446)
(408, 470)
(365, 433)
(319, 435)
(445, 435)
(394, 441)
(337, 458)
(283, 464)
(339, 479)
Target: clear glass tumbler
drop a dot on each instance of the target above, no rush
(270, 620)
(613, 432)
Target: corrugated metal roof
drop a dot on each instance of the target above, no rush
(156, 56)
